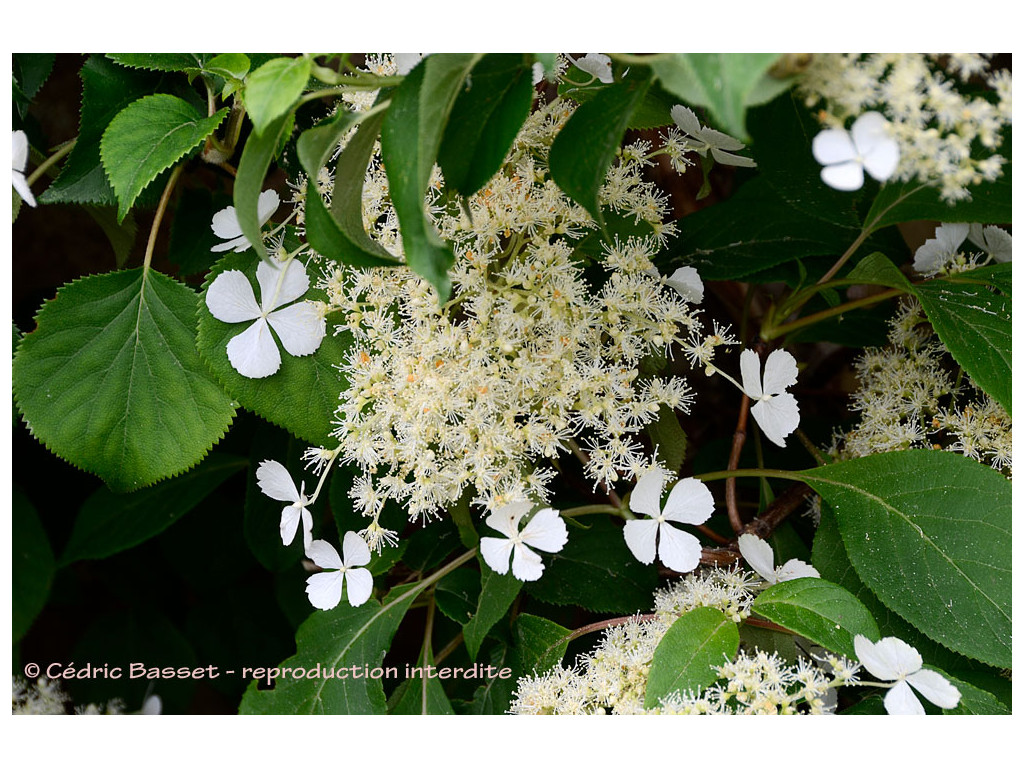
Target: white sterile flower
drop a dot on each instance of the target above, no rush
(759, 556)
(704, 139)
(546, 531)
(596, 64)
(300, 327)
(867, 146)
(688, 284)
(940, 250)
(274, 480)
(892, 659)
(225, 223)
(324, 589)
(776, 410)
(19, 159)
(992, 240)
(689, 502)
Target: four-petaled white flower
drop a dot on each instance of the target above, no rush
(225, 223)
(300, 327)
(867, 146)
(992, 240)
(703, 139)
(938, 251)
(19, 159)
(689, 502)
(546, 531)
(596, 64)
(759, 556)
(892, 659)
(324, 589)
(776, 410)
(274, 480)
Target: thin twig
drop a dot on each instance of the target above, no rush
(159, 217)
(739, 437)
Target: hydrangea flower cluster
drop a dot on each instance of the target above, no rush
(537, 349)
(904, 401)
(44, 696)
(948, 133)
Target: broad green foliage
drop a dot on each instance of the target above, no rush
(259, 152)
(110, 379)
(109, 523)
(919, 538)
(190, 63)
(148, 137)
(497, 592)
(302, 390)
(686, 655)
(32, 565)
(273, 88)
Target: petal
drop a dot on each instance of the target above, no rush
(881, 161)
(780, 372)
(900, 700)
(868, 131)
(21, 187)
(887, 659)
(931, 257)
(641, 538)
(324, 589)
(354, 550)
(598, 65)
(406, 61)
(253, 353)
(307, 530)
(934, 687)
(777, 417)
(993, 240)
(689, 502)
(646, 496)
(952, 235)
(686, 119)
(833, 146)
(526, 564)
(845, 177)
(237, 245)
(225, 223)
(546, 531)
(290, 524)
(506, 519)
(688, 284)
(496, 552)
(230, 299)
(300, 328)
(719, 140)
(360, 586)
(677, 549)
(293, 284)
(728, 158)
(19, 150)
(324, 555)
(759, 556)
(750, 374)
(275, 481)
(797, 569)
(266, 205)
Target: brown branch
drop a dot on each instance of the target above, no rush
(778, 510)
(739, 437)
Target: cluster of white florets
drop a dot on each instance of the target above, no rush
(46, 697)
(908, 399)
(538, 348)
(947, 134)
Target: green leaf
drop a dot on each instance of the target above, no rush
(686, 656)
(595, 570)
(331, 239)
(257, 155)
(147, 137)
(725, 83)
(669, 438)
(109, 523)
(484, 121)
(110, 379)
(584, 149)
(538, 644)
(497, 592)
(32, 565)
(29, 72)
(303, 395)
(973, 701)
(819, 610)
(999, 276)
(230, 66)
(974, 324)
(422, 694)
(316, 145)
(458, 594)
(191, 63)
(410, 138)
(654, 111)
(326, 642)
(929, 533)
(272, 89)
(121, 234)
(106, 90)
(877, 269)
